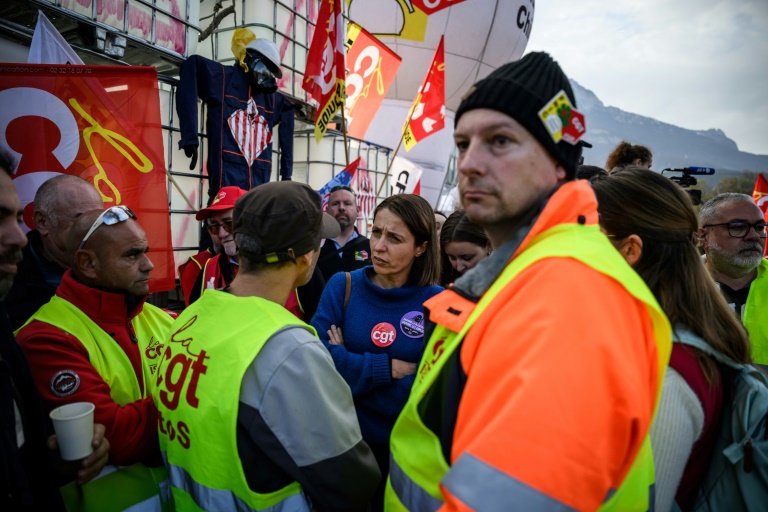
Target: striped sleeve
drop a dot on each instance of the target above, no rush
(301, 415)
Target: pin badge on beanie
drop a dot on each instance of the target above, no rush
(562, 121)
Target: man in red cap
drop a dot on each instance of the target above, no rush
(213, 271)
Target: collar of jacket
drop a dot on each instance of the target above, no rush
(571, 202)
(102, 306)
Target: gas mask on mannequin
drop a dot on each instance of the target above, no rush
(259, 73)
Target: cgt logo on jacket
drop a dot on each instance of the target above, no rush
(177, 373)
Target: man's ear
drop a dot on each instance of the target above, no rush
(560, 172)
(85, 263)
(632, 249)
(703, 242)
(42, 223)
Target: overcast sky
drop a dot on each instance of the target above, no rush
(697, 64)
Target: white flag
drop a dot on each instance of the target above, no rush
(49, 47)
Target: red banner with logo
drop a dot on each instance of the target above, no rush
(371, 67)
(101, 123)
(324, 74)
(760, 195)
(427, 114)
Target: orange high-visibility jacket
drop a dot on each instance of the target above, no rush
(554, 387)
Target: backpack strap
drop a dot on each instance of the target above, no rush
(682, 334)
(347, 289)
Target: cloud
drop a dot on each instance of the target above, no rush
(698, 64)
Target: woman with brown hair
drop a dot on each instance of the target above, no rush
(372, 322)
(463, 244)
(625, 155)
(651, 222)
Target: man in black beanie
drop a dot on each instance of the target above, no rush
(538, 385)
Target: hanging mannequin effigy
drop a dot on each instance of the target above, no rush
(243, 107)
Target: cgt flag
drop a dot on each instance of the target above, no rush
(101, 123)
(427, 114)
(372, 67)
(760, 195)
(343, 179)
(324, 75)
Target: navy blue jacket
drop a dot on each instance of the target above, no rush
(225, 89)
(362, 360)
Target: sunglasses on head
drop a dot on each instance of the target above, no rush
(110, 216)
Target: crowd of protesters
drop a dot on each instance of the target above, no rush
(530, 351)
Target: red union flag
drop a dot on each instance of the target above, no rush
(760, 195)
(324, 75)
(372, 67)
(101, 123)
(427, 114)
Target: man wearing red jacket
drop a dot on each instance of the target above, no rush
(218, 270)
(98, 341)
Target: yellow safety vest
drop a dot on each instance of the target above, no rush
(211, 345)
(138, 487)
(417, 464)
(756, 314)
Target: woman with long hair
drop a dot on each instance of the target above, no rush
(626, 154)
(463, 244)
(651, 222)
(372, 322)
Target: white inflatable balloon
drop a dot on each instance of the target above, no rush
(480, 35)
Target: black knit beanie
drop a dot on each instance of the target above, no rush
(521, 89)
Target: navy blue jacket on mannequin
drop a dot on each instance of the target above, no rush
(226, 90)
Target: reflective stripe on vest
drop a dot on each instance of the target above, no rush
(198, 398)
(118, 488)
(416, 454)
(480, 486)
(206, 498)
(755, 312)
(409, 492)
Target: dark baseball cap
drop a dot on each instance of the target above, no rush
(285, 218)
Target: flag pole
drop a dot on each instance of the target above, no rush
(389, 167)
(344, 133)
(402, 136)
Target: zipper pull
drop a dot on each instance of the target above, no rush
(749, 458)
(132, 334)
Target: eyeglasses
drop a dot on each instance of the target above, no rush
(739, 229)
(343, 187)
(213, 228)
(110, 216)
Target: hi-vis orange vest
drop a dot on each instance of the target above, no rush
(419, 471)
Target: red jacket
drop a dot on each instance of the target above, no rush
(190, 270)
(55, 356)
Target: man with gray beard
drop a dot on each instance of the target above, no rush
(732, 233)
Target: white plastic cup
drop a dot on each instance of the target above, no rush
(73, 424)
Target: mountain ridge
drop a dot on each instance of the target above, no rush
(672, 146)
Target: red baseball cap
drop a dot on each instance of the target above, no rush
(224, 200)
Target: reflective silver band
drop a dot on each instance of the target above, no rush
(411, 494)
(483, 487)
(222, 499)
